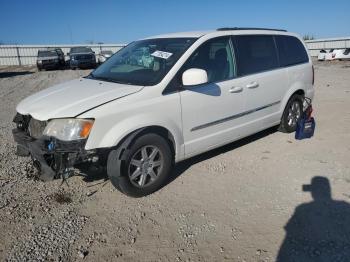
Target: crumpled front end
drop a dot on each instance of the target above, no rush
(54, 158)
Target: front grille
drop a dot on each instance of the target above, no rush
(83, 57)
(49, 61)
(36, 128)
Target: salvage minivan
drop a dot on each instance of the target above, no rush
(186, 93)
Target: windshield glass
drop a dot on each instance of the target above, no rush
(80, 50)
(46, 53)
(143, 62)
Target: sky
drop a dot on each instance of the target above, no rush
(120, 22)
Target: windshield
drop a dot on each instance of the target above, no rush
(143, 62)
(80, 50)
(46, 53)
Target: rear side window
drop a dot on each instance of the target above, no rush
(255, 53)
(291, 51)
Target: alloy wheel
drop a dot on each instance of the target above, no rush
(294, 113)
(145, 166)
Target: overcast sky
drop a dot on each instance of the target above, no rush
(66, 22)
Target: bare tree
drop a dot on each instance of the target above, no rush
(308, 37)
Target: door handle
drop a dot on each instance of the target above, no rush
(253, 85)
(236, 89)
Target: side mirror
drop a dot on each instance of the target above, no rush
(194, 76)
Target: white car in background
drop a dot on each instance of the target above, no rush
(330, 55)
(104, 55)
(322, 55)
(342, 54)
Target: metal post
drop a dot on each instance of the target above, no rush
(18, 56)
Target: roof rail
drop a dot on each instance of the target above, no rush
(248, 28)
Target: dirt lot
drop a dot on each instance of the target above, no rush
(236, 203)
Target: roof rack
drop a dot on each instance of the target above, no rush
(248, 28)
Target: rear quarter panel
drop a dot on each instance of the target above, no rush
(300, 77)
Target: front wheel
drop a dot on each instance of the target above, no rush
(145, 168)
(291, 114)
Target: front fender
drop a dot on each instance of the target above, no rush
(109, 136)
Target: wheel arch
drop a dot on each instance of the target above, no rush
(293, 91)
(155, 129)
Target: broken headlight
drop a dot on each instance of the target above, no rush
(68, 129)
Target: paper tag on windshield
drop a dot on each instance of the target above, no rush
(161, 54)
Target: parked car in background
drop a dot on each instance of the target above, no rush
(81, 57)
(322, 55)
(59, 52)
(188, 93)
(342, 54)
(104, 55)
(50, 59)
(330, 55)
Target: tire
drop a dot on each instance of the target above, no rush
(291, 114)
(144, 168)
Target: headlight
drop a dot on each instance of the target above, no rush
(69, 129)
(39, 61)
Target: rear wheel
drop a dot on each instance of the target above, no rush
(145, 168)
(291, 114)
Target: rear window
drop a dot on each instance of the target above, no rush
(255, 53)
(291, 51)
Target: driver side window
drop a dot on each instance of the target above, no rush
(215, 57)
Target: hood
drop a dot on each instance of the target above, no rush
(72, 98)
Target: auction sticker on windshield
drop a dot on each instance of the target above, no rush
(161, 54)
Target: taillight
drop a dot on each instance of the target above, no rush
(313, 75)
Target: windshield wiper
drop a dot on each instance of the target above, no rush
(100, 78)
(107, 79)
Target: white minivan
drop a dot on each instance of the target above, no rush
(164, 99)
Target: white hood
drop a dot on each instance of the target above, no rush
(72, 98)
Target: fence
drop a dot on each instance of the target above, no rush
(316, 45)
(26, 54)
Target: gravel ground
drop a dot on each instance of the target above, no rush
(242, 202)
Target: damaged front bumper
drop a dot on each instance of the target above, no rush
(54, 158)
